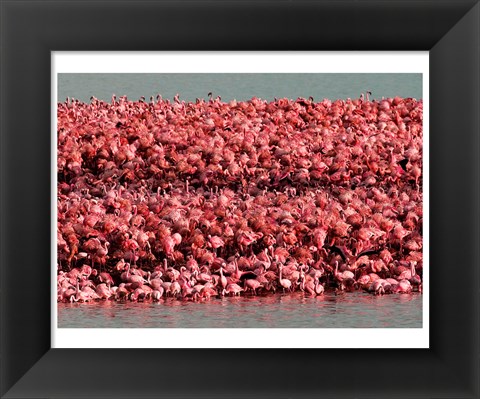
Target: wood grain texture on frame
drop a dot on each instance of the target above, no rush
(31, 29)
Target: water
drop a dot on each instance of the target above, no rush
(238, 86)
(352, 310)
(349, 310)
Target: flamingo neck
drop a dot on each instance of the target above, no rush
(269, 260)
(236, 267)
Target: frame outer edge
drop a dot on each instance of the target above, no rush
(6, 378)
(468, 51)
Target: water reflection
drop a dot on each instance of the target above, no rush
(357, 310)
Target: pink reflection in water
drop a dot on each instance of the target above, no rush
(272, 311)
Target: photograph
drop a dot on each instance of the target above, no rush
(230, 200)
(194, 193)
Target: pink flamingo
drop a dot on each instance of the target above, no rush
(103, 291)
(233, 288)
(313, 286)
(252, 285)
(344, 279)
(285, 283)
(223, 280)
(106, 278)
(377, 288)
(155, 283)
(132, 246)
(216, 242)
(121, 292)
(131, 278)
(157, 294)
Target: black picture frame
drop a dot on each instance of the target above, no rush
(30, 30)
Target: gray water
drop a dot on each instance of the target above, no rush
(239, 86)
(351, 310)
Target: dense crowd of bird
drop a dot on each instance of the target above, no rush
(194, 200)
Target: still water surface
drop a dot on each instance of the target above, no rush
(352, 310)
(239, 86)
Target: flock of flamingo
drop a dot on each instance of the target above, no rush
(167, 199)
